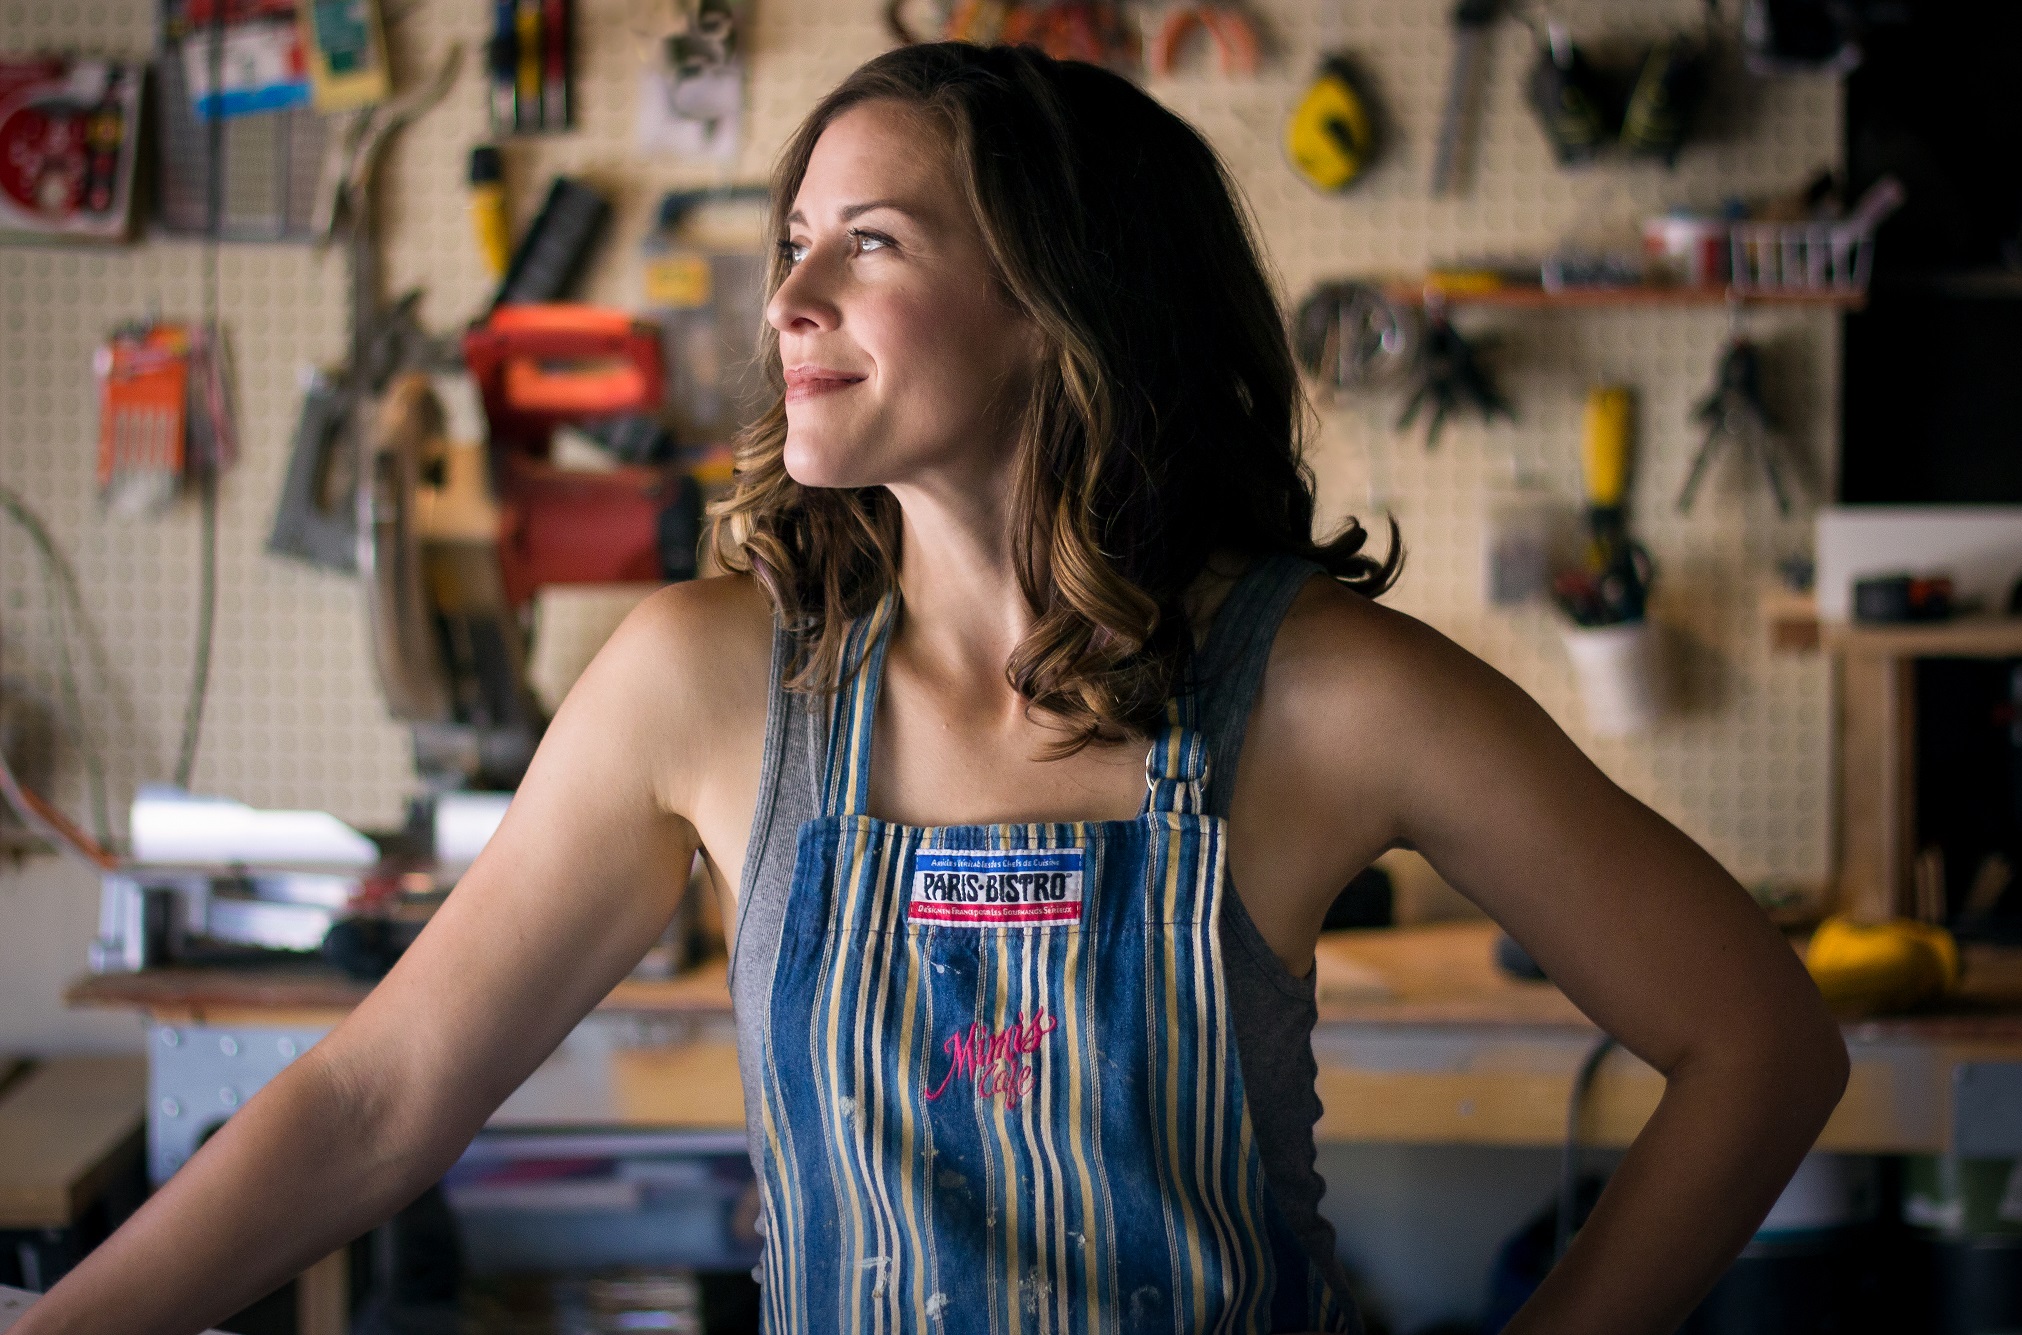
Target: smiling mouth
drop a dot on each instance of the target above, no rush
(804, 384)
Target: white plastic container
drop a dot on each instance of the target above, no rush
(1622, 675)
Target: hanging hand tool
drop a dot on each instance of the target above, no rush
(1234, 37)
(354, 153)
(1734, 410)
(1613, 584)
(488, 210)
(557, 106)
(1330, 134)
(1570, 101)
(1670, 85)
(708, 43)
(1352, 336)
(1450, 377)
(527, 75)
(353, 200)
(1620, 566)
(314, 519)
(1471, 22)
(1801, 36)
(502, 62)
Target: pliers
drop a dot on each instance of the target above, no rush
(1451, 377)
(1735, 409)
(346, 180)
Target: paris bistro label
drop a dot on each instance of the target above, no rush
(990, 888)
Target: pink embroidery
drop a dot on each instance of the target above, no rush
(994, 1060)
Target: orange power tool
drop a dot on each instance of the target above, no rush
(542, 366)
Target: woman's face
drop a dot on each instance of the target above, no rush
(902, 357)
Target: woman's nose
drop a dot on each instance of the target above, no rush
(800, 305)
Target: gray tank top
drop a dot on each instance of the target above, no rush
(1273, 1013)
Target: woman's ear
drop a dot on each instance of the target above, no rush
(1037, 348)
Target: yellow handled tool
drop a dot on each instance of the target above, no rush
(1604, 445)
(488, 210)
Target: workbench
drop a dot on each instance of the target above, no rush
(1421, 1040)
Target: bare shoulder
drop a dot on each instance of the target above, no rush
(684, 679)
(1341, 656)
(721, 625)
(1385, 718)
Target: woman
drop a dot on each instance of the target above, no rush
(1023, 1047)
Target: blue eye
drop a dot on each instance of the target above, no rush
(793, 252)
(876, 239)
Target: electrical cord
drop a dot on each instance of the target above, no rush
(207, 602)
(51, 824)
(207, 469)
(62, 602)
(1569, 1164)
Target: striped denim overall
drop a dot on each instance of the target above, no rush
(1001, 1091)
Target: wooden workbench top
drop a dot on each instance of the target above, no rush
(313, 992)
(68, 1128)
(1438, 975)
(1445, 974)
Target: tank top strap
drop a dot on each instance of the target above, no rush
(846, 788)
(1230, 665)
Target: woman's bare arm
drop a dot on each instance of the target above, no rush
(581, 877)
(1384, 728)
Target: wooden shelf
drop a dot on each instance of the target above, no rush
(1792, 620)
(1966, 637)
(1523, 297)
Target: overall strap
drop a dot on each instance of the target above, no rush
(1176, 767)
(846, 790)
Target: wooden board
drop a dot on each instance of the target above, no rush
(1445, 975)
(307, 996)
(1482, 1107)
(67, 1129)
(694, 1085)
(1895, 1103)
(1440, 974)
(1962, 637)
(187, 994)
(703, 989)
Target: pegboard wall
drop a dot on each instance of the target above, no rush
(295, 718)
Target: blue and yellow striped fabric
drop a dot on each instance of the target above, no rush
(986, 1126)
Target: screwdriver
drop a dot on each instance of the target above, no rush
(502, 58)
(488, 211)
(1471, 20)
(527, 90)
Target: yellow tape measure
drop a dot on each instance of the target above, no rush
(1330, 135)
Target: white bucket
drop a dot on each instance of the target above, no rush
(1621, 673)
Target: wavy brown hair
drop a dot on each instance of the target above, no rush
(1166, 421)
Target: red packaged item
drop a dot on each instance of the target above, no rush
(68, 140)
(143, 396)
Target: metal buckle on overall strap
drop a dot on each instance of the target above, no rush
(1176, 770)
